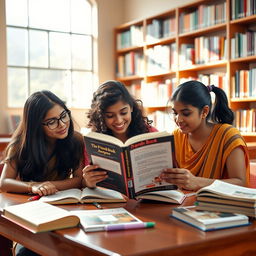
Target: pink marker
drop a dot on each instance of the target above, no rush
(129, 226)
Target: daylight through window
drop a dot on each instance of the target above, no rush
(50, 46)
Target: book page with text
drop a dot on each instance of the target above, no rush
(37, 212)
(227, 189)
(99, 192)
(147, 164)
(107, 164)
(69, 193)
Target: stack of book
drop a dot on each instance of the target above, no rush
(209, 220)
(225, 197)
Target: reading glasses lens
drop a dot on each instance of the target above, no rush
(55, 123)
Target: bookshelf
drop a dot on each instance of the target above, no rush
(211, 41)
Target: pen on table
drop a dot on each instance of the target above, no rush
(97, 205)
(33, 198)
(129, 226)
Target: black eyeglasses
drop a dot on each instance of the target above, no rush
(53, 123)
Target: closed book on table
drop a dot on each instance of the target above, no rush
(102, 220)
(209, 220)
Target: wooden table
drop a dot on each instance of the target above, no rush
(169, 237)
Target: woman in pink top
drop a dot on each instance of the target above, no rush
(114, 112)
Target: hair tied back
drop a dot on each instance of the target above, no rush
(210, 87)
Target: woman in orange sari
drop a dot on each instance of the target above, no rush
(207, 146)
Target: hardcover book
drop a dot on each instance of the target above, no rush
(87, 195)
(226, 197)
(133, 167)
(37, 216)
(209, 220)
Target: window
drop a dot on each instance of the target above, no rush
(50, 46)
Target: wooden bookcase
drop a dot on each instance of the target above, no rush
(212, 41)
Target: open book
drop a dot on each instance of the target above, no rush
(87, 195)
(226, 197)
(37, 216)
(133, 167)
(170, 196)
(99, 220)
(206, 220)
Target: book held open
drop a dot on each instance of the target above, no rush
(133, 167)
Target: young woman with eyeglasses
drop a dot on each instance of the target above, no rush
(45, 154)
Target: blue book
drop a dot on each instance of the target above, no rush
(209, 220)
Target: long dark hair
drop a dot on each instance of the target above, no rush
(197, 94)
(108, 94)
(28, 147)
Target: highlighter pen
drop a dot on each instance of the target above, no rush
(34, 198)
(129, 226)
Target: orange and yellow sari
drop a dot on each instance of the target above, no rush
(210, 160)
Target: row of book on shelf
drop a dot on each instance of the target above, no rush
(202, 16)
(160, 28)
(243, 83)
(130, 37)
(164, 58)
(130, 64)
(245, 120)
(161, 59)
(243, 44)
(242, 8)
(155, 30)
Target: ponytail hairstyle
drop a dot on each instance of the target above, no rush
(198, 95)
(108, 94)
(28, 148)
